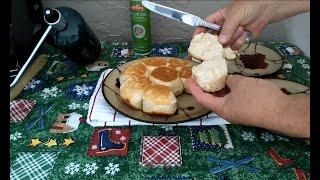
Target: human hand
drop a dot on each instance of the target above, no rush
(258, 102)
(252, 16)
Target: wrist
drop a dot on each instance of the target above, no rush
(280, 10)
(292, 117)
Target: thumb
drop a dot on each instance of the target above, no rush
(229, 28)
(233, 80)
(206, 99)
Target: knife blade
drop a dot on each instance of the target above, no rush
(184, 17)
(175, 14)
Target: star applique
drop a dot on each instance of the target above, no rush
(35, 142)
(84, 75)
(51, 142)
(67, 142)
(60, 78)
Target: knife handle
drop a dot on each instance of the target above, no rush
(218, 28)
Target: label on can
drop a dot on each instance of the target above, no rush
(140, 28)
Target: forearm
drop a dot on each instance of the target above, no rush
(280, 10)
(293, 118)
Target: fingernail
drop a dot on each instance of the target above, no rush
(223, 39)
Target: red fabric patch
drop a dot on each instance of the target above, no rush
(19, 109)
(109, 142)
(300, 174)
(278, 159)
(161, 151)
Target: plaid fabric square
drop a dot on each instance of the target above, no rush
(161, 151)
(32, 165)
(19, 109)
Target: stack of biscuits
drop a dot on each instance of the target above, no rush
(206, 49)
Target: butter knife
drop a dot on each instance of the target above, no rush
(184, 17)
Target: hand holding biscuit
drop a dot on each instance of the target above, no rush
(258, 102)
(252, 16)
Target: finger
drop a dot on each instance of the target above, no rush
(211, 102)
(209, 31)
(229, 28)
(256, 27)
(232, 80)
(239, 42)
(238, 33)
(215, 17)
(199, 30)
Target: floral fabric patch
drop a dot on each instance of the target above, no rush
(161, 151)
(109, 142)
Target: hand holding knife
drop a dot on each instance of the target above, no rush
(184, 17)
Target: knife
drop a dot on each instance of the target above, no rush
(184, 17)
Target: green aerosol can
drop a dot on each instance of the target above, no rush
(140, 28)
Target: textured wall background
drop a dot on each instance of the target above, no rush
(111, 21)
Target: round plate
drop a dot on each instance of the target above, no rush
(263, 61)
(291, 88)
(188, 109)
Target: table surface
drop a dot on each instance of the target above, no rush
(247, 141)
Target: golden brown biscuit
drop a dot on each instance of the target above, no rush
(154, 62)
(159, 100)
(211, 75)
(134, 70)
(177, 64)
(132, 89)
(185, 74)
(167, 77)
